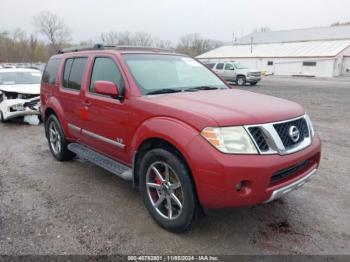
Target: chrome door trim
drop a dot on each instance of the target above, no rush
(95, 136)
(103, 139)
(74, 128)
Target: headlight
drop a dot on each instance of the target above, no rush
(308, 120)
(233, 140)
(18, 107)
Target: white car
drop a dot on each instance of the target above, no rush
(20, 94)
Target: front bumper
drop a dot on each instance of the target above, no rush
(29, 107)
(252, 79)
(217, 175)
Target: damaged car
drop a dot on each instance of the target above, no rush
(20, 95)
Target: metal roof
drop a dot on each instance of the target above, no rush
(329, 48)
(297, 35)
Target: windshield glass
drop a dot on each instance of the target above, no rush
(157, 72)
(19, 78)
(240, 66)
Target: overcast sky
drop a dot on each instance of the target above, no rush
(169, 19)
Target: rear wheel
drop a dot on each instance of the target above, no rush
(241, 80)
(167, 190)
(57, 142)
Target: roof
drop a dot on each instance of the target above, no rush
(296, 35)
(294, 49)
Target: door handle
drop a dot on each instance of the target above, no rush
(87, 103)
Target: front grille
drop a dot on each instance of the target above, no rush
(255, 74)
(259, 138)
(283, 131)
(284, 173)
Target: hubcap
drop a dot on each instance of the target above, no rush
(55, 138)
(164, 190)
(240, 81)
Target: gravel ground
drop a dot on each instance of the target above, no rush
(48, 207)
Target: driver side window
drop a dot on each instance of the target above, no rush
(105, 69)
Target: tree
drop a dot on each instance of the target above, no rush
(54, 28)
(193, 45)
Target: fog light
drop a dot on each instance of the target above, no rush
(239, 186)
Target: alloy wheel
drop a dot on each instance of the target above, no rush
(164, 190)
(55, 138)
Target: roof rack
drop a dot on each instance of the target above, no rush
(115, 47)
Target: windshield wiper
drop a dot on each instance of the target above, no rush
(197, 88)
(164, 91)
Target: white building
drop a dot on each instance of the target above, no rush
(321, 52)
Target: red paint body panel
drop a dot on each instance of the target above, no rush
(178, 118)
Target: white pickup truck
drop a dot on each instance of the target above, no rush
(235, 72)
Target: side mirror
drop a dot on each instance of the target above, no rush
(106, 88)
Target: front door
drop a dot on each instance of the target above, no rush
(229, 72)
(105, 128)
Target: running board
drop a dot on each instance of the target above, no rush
(112, 166)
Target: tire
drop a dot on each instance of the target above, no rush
(253, 83)
(2, 120)
(57, 142)
(241, 80)
(176, 187)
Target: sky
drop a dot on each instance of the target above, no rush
(170, 19)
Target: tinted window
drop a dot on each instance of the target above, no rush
(307, 63)
(229, 66)
(211, 65)
(67, 68)
(76, 72)
(220, 66)
(105, 69)
(269, 63)
(50, 72)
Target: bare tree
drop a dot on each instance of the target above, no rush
(193, 44)
(54, 28)
(142, 39)
(116, 38)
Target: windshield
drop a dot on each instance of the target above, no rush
(240, 66)
(19, 78)
(169, 72)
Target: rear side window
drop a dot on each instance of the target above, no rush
(220, 66)
(67, 68)
(50, 72)
(73, 72)
(211, 65)
(105, 69)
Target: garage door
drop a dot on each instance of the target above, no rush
(346, 66)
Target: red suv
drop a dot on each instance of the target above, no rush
(171, 126)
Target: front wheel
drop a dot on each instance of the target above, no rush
(2, 120)
(57, 142)
(253, 83)
(167, 190)
(241, 80)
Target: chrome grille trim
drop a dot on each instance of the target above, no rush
(274, 141)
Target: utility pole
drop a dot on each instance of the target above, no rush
(251, 45)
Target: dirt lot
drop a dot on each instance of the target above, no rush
(47, 207)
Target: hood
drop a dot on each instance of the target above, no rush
(227, 107)
(248, 70)
(32, 89)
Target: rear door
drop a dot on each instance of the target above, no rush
(219, 69)
(70, 94)
(106, 128)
